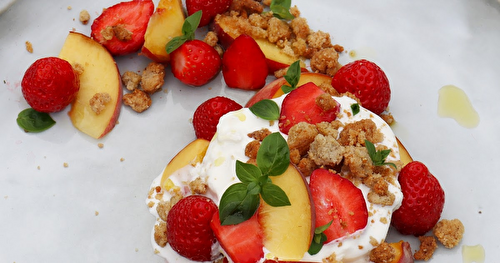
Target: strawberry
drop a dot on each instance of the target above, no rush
(243, 242)
(367, 82)
(207, 115)
(50, 84)
(210, 9)
(338, 199)
(423, 200)
(244, 64)
(301, 105)
(121, 27)
(188, 225)
(195, 63)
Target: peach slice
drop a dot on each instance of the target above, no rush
(288, 230)
(227, 31)
(403, 153)
(192, 154)
(403, 252)
(100, 75)
(273, 89)
(165, 24)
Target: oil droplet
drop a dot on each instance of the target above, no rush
(241, 116)
(219, 161)
(454, 103)
(473, 254)
(362, 52)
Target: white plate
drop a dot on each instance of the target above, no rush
(48, 212)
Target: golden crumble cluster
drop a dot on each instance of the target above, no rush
(383, 253)
(449, 232)
(294, 38)
(142, 86)
(428, 245)
(98, 102)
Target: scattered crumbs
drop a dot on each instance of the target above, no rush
(65, 165)
(96, 213)
(209, 88)
(136, 250)
(100, 145)
(73, 29)
(38, 167)
(122, 159)
(84, 17)
(165, 90)
(29, 46)
(157, 251)
(69, 7)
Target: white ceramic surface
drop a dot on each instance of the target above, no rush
(48, 211)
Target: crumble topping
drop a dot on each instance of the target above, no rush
(449, 232)
(29, 46)
(118, 31)
(84, 17)
(138, 100)
(383, 253)
(98, 102)
(428, 245)
(153, 77)
(131, 80)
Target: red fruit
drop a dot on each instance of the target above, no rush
(244, 64)
(423, 200)
(367, 82)
(209, 9)
(207, 115)
(242, 242)
(121, 27)
(188, 224)
(50, 84)
(300, 105)
(338, 199)
(195, 62)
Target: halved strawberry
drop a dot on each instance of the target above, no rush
(303, 105)
(338, 199)
(242, 242)
(121, 27)
(244, 64)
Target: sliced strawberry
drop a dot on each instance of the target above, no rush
(121, 27)
(210, 9)
(195, 62)
(242, 242)
(338, 199)
(244, 64)
(301, 105)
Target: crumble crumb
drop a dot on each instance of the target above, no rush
(383, 253)
(325, 61)
(98, 102)
(69, 7)
(251, 149)
(29, 46)
(100, 145)
(131, 80)
(38, 167)
(65, 165)
(331, 259)
(260, 134)
(78, 68)
(301, 136)
(138, 100)
(198, 186)
(428, 245)
(211, 38)
(325, 150)
(96, 213)
(160, 234)
(449, 232)
(153, 77)
(356, 133)
(122, 159)
(84, 17)
(121, 33)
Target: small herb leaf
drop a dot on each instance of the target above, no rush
(273, 195)
(188, 29)
(355, 108)
(378, 157)
(292, 77)
(281, 9)
(237, 205)
(319, 239)
(33, 121)
(247, 172)
(266, 109)
(273, 156)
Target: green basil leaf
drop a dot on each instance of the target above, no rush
(188, 32)
(317, 244)
(253, 188)
(247, 172)
(273, 156)
(237, 205)
(266, 109)
(292, 75)
(175, 43)
(281, 9)
(355, 108)
(273, 195)
(31, 120)
(286, 89)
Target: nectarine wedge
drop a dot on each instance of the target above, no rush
(100, 75)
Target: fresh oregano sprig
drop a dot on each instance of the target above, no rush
(319, 239)
(31, 120)
(281, 9)
(378, 157)
(188, 32)
(292, 76)
(241, 200)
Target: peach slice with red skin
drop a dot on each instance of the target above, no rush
(227, 32)
(165, 24)
(284, 238)
(100, 75)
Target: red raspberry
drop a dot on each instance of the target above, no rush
(423, 200)
(207, 115)
(189, 232)
(50, 84)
